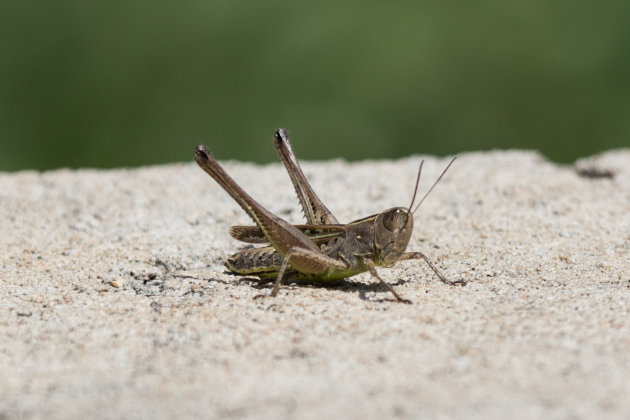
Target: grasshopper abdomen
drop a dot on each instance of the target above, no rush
(264, 262)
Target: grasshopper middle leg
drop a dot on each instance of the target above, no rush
(309, 257)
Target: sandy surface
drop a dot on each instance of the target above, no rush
(114, 302)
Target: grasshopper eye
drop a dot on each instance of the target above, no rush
(394, 220)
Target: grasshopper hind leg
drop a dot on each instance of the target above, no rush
(315, 211)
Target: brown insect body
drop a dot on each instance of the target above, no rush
(323, 249)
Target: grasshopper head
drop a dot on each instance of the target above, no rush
(393, 227)
(392, 230)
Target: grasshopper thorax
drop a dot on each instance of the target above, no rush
(392, 231)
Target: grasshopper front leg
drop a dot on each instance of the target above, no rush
(374, 273)
(315, 258)
(305, 257)
(417, 255)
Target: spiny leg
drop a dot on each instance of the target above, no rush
(372, 269)
(280, 233)
(418, 255)
(315, 211)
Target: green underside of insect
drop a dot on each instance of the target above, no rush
(265, 262)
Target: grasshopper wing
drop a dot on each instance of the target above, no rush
(316, 233)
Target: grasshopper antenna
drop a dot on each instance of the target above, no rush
(415, 191)
(434, 184)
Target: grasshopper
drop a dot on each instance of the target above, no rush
(322, 249)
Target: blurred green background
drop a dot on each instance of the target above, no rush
(124, 83)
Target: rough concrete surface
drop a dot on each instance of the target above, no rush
(114, 302)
